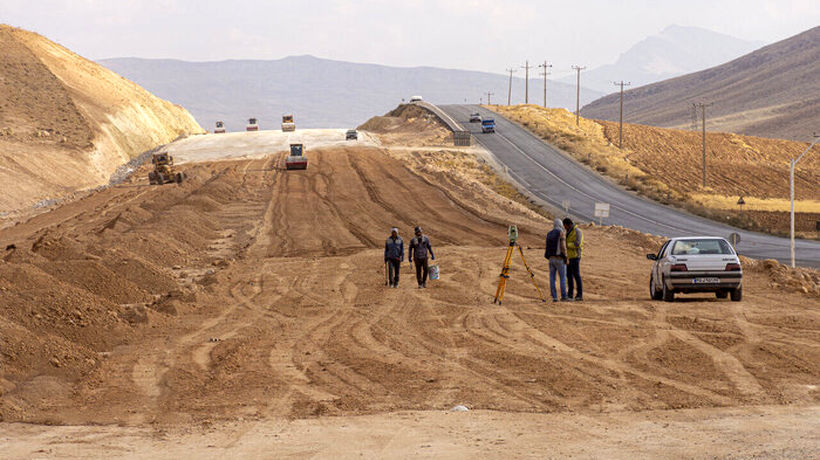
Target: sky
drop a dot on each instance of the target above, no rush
(482, 35)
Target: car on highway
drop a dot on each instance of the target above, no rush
(475, 117)
(351, 135)
(695, 264)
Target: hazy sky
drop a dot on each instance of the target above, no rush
(487, 35)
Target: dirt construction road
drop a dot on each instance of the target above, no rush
(247, 301)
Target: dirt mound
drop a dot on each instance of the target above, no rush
(799, 279)
(409, 124)
(67, 123)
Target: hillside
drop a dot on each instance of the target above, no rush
(67, 123)
(321, 93)
(772, 92)
(675, 51)
(665, 164)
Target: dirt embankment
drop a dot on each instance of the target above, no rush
(67, 123)
(666, 165)
(409, 125)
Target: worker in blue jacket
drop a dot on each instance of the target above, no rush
(394, 256)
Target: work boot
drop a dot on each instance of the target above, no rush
(578, 299)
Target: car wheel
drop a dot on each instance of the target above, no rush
(721, 294)
(653, 290)
(737, 294)
(666, 293)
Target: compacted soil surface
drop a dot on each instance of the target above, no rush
(245, 311)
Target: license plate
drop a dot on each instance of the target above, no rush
(706, 280)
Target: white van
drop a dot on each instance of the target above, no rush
(415, 99)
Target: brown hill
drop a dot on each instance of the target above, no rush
(771, 92)
(67, 123)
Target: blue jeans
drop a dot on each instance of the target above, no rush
(574, 275)
(557, 267)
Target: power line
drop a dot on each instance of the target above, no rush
(526, 68)
(702, 106)
(621, 122)
(545, 73)
(578, 94)
(488, 97)
(509, 87)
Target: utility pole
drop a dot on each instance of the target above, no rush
(578, 94)
(702, 106)
(526, 68)
(488, 97)
(509, 87)
(792, 163)
(545, 73)
(621, 122)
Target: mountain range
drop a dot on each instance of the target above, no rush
(675, 51)
(319, 92)
(771, 92)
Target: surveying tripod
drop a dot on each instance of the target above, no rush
(512, 232)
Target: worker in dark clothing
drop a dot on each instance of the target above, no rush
(575, 246)
(393, 256)
(556, 253)
(419, 247)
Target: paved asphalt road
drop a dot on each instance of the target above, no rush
(554, 177)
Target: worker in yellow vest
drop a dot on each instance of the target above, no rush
(575, 246)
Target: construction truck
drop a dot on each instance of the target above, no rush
(252, 125)
(287, 123)
(220, 127)
(297, 158)
(163, 172)
(488, 125)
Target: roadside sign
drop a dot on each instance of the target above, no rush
(734, 238)
(601, 210)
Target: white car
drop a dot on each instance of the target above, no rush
(696, 264)
(415, 99)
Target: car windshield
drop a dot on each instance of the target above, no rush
(701, 246)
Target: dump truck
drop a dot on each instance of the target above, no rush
(163, 172)
(287, 123)
(297, 158)
(488, 125)
(220, 127)
(252, 125)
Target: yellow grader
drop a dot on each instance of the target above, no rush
(163, 172)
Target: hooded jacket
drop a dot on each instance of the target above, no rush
(556, 241)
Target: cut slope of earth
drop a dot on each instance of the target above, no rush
(67, 123)
(666, 164)
(771, 92)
